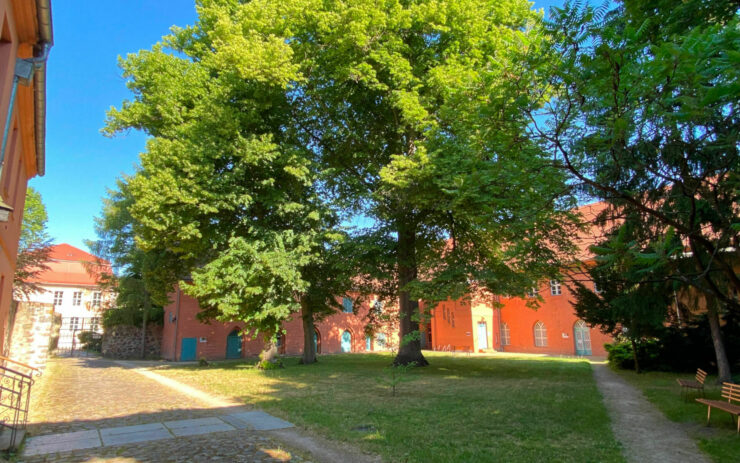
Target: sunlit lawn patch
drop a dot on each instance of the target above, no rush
(459, 409)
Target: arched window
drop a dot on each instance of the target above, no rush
(505, 335)
(381, 342)
(582, 338)
(540, 335)
(346, 341)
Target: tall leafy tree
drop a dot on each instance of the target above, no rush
(644, 115)
(268, 116)
(34, 246)
(140, 277)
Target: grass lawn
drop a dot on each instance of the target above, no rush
(459, 409)
(720, 440)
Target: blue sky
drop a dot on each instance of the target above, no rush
(83, 82)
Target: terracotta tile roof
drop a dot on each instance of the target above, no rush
(69, 265)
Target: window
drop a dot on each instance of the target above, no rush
(378, 307)
(596, 289)
(532, 292)
(95, 323)
(77, 298)
(540, 335)
(380, 341)
(505, 335)
(74, 323)
(346, 305)
(555, 289)
(97, 299)
(58, 297)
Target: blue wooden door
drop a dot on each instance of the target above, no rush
(346, 342)
(233, 346)
(187, 350)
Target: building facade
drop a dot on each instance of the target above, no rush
(185, 338)
(72, 287)
(484, 324)
(25, 40)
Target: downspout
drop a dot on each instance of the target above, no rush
(177, 323)
(25, 70)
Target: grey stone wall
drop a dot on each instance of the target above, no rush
(124, 342)
(32, 328)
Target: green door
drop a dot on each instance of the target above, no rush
(187, 350)
(582, 337)
(233, 346)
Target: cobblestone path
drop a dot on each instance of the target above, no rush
(76, 394)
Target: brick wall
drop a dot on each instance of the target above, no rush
(32, 327)
(124, 342)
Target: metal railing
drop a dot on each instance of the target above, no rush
(16, 379)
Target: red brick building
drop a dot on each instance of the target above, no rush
(475, 325)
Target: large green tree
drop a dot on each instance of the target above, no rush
(268, 116)
(644, 115)
(34, 246)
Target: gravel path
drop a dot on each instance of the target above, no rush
(647, 436)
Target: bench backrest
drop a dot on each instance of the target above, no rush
(731, 392)
(701, 376)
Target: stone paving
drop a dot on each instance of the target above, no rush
(94, 402)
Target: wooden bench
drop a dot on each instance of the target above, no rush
(731, 392)
(697, 384)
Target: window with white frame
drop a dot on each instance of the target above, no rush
(77, 298)
(95, 323)
(74, 323)
(540, 335)
(58, 297)
(505, 335)
(555, 288)
(378, 307)
(532, 292)
(97, 299)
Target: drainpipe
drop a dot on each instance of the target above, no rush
(177, 323)
(25, 70)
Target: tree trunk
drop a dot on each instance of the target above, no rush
(635, 355)
(309, 349)
(269, 353)
(143, 331)
(723, 365)
(409, 349)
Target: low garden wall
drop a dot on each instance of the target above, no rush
(124, 342)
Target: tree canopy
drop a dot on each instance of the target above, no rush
(34, 246)
(274, 122)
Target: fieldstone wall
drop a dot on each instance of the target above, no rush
(32, 329)
(124, 342)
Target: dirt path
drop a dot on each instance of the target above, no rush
(647, 436)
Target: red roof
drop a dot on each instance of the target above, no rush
(69, 265)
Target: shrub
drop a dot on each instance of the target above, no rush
(679, 349)
(91, 341)
(125, 316)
